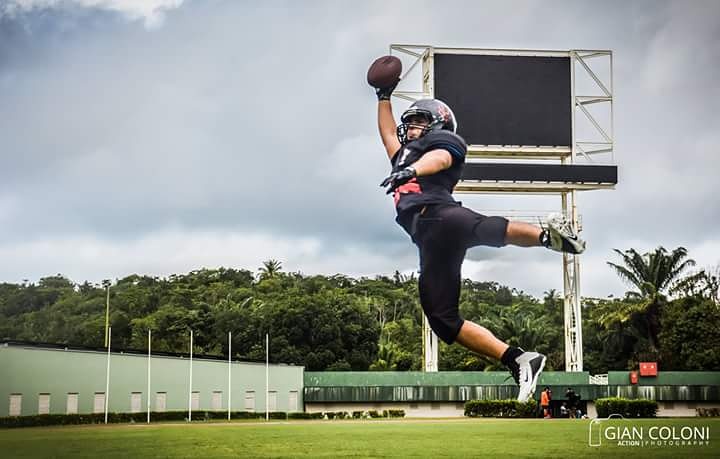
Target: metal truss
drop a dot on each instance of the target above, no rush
(580, 150)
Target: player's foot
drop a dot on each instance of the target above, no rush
(561, 237)
(525, 371)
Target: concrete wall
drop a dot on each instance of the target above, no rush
(684, 409)
(31, 371)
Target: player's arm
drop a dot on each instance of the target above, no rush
(387, 127)
(432, 162)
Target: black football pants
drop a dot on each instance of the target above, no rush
(443, 233)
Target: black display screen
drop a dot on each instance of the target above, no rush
(507, 100)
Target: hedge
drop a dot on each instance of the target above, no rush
(99, 418)
(628, 408)
(501, 409)
(197, 416)
(708, 412)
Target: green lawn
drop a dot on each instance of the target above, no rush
(371, 438)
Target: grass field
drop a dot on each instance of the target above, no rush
(400, 438)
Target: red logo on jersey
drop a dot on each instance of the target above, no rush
(410, 187)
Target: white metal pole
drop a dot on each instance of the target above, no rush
(107, 374)
(267, 376)
(229, 372)
(190, 383)
(148, 378)
(107, 314)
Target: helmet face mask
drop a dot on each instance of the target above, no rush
(436, 114)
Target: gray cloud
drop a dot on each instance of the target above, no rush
(240, 120)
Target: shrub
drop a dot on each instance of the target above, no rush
(627, 408)
(374, 414)
(278, 415)
(708, 412)
(396, 413)
(357, 414)
(501, 408)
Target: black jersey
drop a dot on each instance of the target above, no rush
(429, 189)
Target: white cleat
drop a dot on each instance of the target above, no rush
(562, 236)
(528, 367)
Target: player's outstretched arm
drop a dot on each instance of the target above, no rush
(387, 127)
(432, 162)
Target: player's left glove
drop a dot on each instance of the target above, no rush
(398, 178)
(385, 93)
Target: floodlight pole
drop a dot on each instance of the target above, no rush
(107, 312)
(267, 376)
(190, 383)
(229, 373)
(148, 377)
(107, 375)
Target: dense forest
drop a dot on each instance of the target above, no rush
(342, 323)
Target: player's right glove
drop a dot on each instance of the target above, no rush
(385, 93)
(398, 178)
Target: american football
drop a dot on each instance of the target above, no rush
(384, 72)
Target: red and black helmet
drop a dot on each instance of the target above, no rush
(436, 112)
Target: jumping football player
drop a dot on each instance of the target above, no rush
(427, 157)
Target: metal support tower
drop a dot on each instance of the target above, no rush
(583, 149)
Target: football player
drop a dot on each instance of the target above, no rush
(427, 158)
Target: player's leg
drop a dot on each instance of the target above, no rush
(439, 282)
(442, 250)
(558, 236)
(478, 229)
(441, 257)
(523, 234)
(470, 229)
(481, 340)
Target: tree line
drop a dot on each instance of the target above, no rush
(670, 315)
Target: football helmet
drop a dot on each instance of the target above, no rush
(436, 113)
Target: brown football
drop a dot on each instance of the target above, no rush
(384, 72)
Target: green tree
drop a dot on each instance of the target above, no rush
(652, 274)
(270, 269)
(690, 336)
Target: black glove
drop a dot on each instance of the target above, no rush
(398, 178)
(385, 93)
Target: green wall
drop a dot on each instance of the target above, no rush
(449, 386)
(669, 378)
(440, 378)
(31, 371)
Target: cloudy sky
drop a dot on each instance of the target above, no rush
(162, 136)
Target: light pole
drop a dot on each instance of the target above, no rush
(106, 284)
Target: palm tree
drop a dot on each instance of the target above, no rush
(386, 356)
(652, 274)
(704, 284)
(270, 269)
